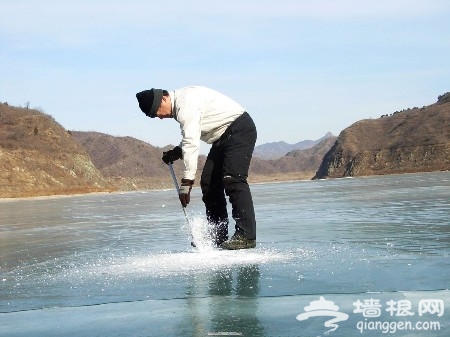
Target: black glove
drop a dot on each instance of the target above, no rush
(185, 191)
(172, 155)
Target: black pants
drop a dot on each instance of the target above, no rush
(226, 172)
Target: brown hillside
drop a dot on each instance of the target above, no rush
(39, 157)
(413, 140)
(130, 163)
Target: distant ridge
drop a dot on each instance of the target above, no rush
(307, 160)
(276, 150)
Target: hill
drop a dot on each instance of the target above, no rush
(39, 157)
(276, 150)
(133, 164)
(299, 164)
(310, 159)
(408, 141)
(128, 162)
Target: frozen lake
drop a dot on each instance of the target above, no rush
(121, 264)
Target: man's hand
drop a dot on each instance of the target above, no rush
(185, 191)
(172, 155)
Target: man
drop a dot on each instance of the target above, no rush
(205, 114)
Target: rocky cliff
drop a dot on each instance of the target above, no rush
(408, 141)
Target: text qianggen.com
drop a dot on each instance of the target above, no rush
(393, 327)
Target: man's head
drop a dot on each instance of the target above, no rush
(149, 101)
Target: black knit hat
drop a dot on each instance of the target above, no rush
(149, 101)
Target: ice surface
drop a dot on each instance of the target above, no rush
(122, 264)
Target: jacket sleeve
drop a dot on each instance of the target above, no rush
(189, 118)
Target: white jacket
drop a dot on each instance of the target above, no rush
(203, 114)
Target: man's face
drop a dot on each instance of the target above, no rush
(165, 109)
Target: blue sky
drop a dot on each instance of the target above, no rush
(301, 68)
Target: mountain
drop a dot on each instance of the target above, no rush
(310, 159)
(133, 164)
(407, 141)
(128, 162)
(277, 150)
(297, 164)
(39, 157)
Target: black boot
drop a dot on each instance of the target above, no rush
(238, 241)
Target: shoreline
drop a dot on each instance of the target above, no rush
(255, 180)
(156, 186)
